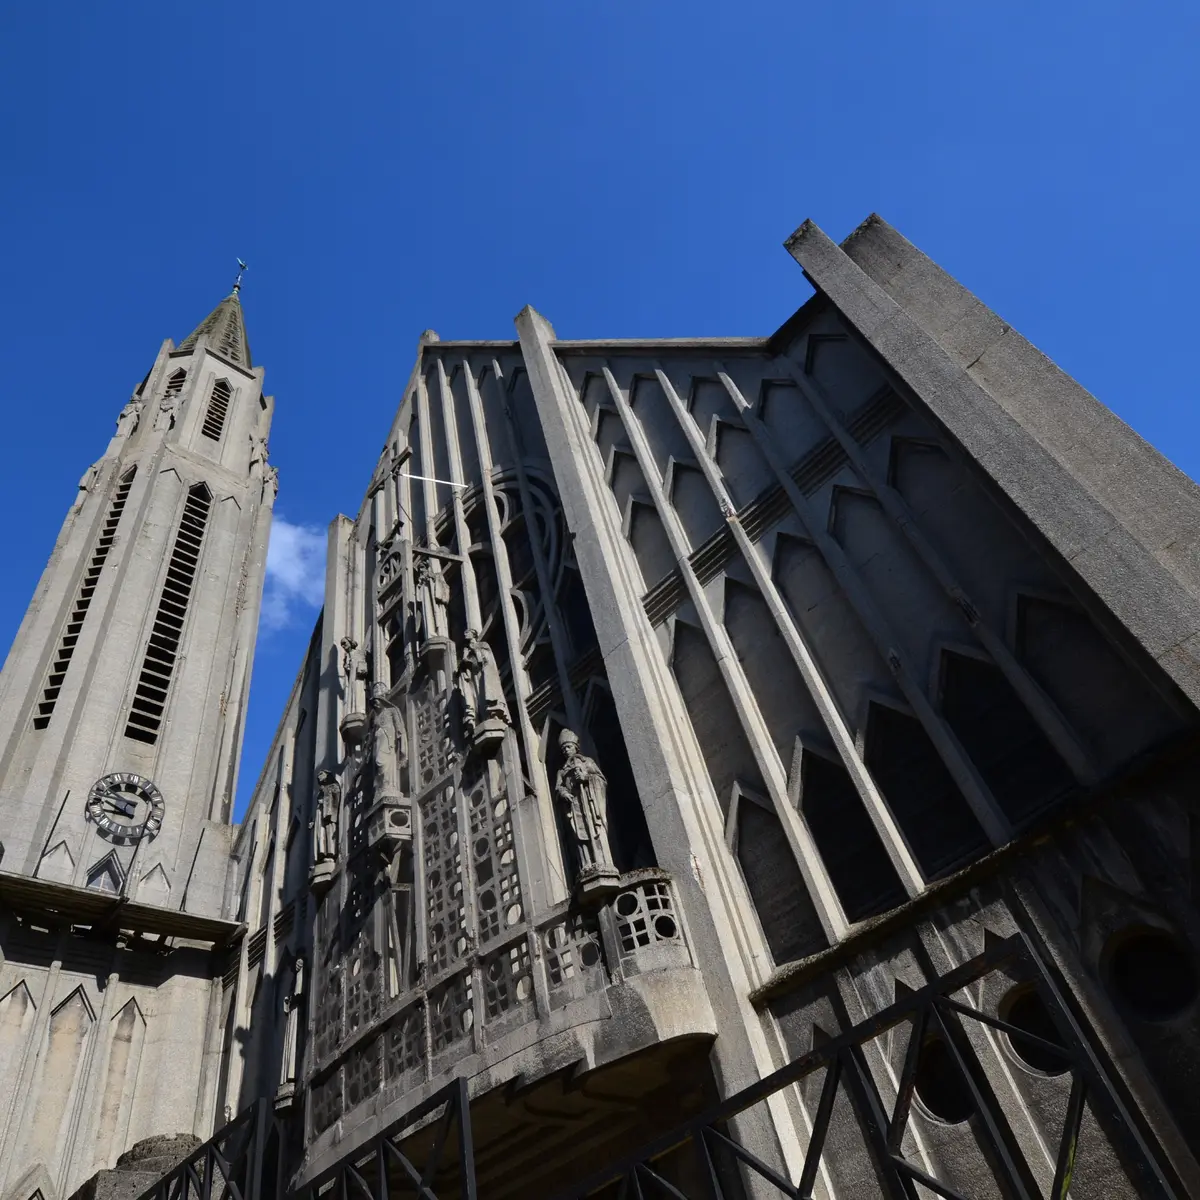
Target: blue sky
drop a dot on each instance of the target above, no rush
(627, 168)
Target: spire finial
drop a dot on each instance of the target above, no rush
(237, 283)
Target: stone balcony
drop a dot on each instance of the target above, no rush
(588, 1013)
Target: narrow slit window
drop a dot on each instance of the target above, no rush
(218, 410)
(158, 665)
(83, 599)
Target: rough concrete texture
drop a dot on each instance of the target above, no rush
(139, 1168)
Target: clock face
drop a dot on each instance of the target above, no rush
(125, 807)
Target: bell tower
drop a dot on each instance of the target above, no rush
(122, 700)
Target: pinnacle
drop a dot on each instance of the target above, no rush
(225, 329)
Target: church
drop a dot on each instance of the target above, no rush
(720, 769)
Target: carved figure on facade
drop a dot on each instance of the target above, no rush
(164, 418)
(433, 597)
(355, 672)
(485, 710)
(270, 484)
(389, 746)
(258, 449)
(326, 822)
(582, 789)
(129, 418)
(286, 1092)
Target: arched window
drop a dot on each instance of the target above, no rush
(83, 600)
(940, 829)
(158, 666)
(218, 410)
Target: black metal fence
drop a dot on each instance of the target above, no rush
(428, 1153)
(247, 1159)
(242, 1161)
(437, 1159)
(702, 1161)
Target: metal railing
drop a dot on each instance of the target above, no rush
(429, 1152)
(242, 1161)
(246, 1160)
(700, 1159)
(427, 1171)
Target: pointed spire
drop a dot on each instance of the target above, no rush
(225, 328)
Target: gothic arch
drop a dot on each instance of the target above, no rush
(58, 863)
(106, 874)
(54, 1094)
(126, 1033)
(18, 1011)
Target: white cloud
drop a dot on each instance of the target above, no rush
(295, 573)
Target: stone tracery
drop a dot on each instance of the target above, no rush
(445, 932)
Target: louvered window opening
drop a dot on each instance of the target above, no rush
(175, 383)
(87, 589)
(150, 695)
(218, 410)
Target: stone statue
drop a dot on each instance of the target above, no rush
(583, 791)
(129, 419)
(434, 594)
(389, 746)
(327, 817)
(165, 417)
(356, 671)
(270, 483)
(258, 448)
(291, 1033)
(485, 711)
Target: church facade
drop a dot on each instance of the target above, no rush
(745, 767)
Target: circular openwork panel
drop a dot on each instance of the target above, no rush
(665, 927)
(940, 1086)
(1150, 973)
(1025, 1009)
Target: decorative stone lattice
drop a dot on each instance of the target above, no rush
(494, 860)
(404, 1048)
(445, 910)
(645, 915)
(573, 950)
(363, 979)
(359, 897)
(327, 1101)
(364, 1071)
(507, 982)
(434, 751)
(328, 1023)
(358, 802)
(451, 1012)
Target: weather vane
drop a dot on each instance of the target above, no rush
(237, 283)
